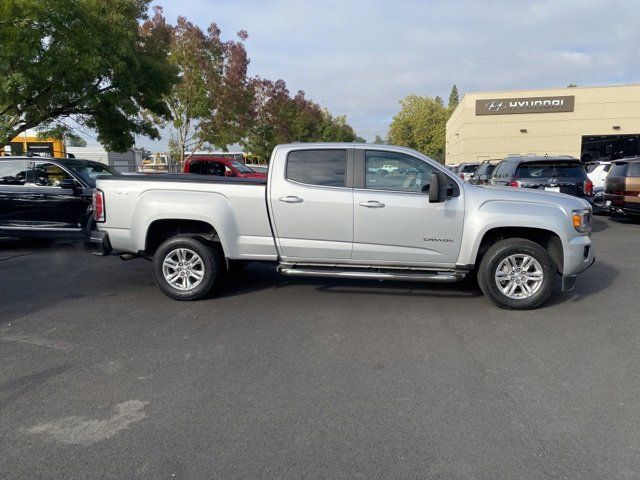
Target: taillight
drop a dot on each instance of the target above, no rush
(98, 205)
(514, 183)
(587, 188)
(462, 176)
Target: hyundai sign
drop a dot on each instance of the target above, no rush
(509, 106)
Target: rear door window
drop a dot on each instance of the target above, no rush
(326, 168)
(49, 174)
(13, 172)
(634, 169)
(549, 170)
(619, 170)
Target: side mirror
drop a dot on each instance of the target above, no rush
(435, 195)
(68, 184)
(229, 173)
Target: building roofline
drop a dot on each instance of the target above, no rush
(522, 90)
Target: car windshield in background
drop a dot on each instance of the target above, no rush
(549, 170)
(89, 171)
(469, 169)
(242, 168)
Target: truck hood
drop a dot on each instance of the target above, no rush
(483, 193)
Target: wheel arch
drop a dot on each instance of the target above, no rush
(547, 239)
(163, 229)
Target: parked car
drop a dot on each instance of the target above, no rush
(551, 174)
(597, 173)
(622, 187)
(323, 213)
(466, 170)
(48, 197)
(220, 167)
(483, 173)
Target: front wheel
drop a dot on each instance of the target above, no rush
(516, 273)
(185, 268)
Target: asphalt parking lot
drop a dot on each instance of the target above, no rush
(102, 376)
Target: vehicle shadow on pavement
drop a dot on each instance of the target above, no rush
(596, 279)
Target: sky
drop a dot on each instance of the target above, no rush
(360, 58)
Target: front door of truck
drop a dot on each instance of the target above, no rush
(393, 219)
(312, 205)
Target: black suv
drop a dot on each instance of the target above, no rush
(47, 197)
(556, 174)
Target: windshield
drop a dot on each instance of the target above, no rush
(469, 168)
(89, 171)
(241, 167)
(549, 170)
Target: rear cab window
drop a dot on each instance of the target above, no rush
(326, 168)
(550, 169)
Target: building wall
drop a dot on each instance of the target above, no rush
(472, 138)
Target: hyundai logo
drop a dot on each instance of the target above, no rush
(494, 106)
(552, 180)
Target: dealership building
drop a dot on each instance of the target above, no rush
(591, 123)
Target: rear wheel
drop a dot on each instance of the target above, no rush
(187, 269)
(517, 273)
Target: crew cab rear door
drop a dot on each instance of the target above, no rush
(311, 203)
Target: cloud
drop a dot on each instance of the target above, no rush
(360, 58)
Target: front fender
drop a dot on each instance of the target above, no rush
(492, 214)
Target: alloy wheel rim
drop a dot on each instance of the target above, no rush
(519, 276)
(183, 269)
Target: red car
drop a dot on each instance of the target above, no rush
(222, 167)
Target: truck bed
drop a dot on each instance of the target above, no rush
(186, 178)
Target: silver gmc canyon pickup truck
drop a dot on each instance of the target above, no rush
(347, 210)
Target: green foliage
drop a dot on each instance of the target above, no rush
(572, 85)
(379, 140)
(421, 125)
(454, 97)
(86, 59)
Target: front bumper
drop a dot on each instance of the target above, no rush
(578, 257)
(101, 241)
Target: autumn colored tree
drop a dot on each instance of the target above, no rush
(421, 125)
(211, 102)
(99, 63)
(280, 118)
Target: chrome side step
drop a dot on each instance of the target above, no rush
(373, 273)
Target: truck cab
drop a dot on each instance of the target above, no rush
(220, 167)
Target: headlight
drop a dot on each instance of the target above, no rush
(582, 220)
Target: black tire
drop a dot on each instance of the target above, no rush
(503, 250)
(212, 270)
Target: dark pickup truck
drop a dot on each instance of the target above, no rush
(48, 197)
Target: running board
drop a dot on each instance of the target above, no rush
(372, 274)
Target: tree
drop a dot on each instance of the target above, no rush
(454, 98)
(75, 140)
(421, 124)
(280, 118)
(211, 102)
(90, 60)
(379, 140)
(572, 85)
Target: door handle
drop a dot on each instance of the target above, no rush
(372, 204)
(291, 199)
